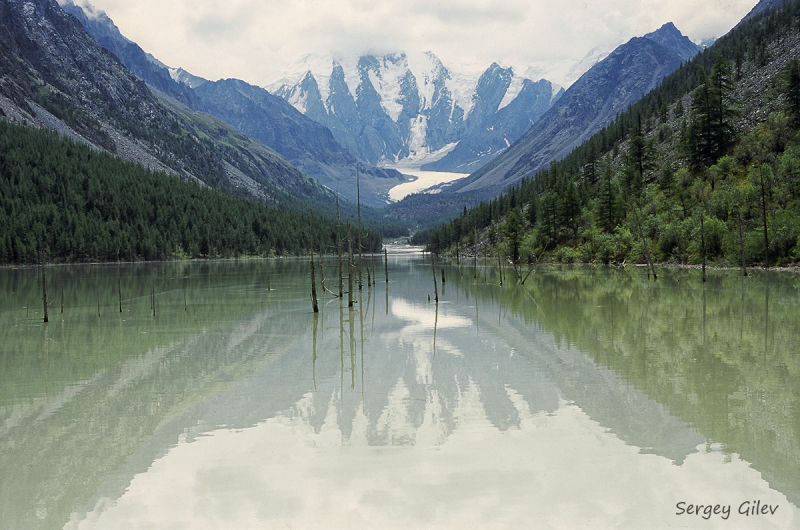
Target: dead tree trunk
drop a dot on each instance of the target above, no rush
(435, 286)
(358, 192)
(350, 267)
(44, 292)
(500, 268)
(339, 243)
(314, 305)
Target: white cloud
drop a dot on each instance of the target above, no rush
(258, 40)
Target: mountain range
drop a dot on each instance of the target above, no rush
(327, 121)
(590, 104)
(252, 110)
(413, 110)
(53, 74)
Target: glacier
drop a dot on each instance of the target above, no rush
(399, 107)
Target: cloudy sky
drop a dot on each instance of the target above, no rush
(261, 40)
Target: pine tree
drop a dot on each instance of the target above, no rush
(711, 132)
(533, 208)
(698, 139)
(513, 232)
(570, 208)
(723, 112)
(607, 203)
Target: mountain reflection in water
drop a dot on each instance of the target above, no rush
(587, 397)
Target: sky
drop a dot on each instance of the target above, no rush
(261, 41)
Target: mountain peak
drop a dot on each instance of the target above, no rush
(669, 28)
(95, 20)
(670, 37)
(179, 75)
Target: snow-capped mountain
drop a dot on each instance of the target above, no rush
(411, 109)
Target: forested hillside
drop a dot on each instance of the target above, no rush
(64, 201)
(54, 75)
(704, 168)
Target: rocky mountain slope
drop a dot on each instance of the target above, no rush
(251, 110)
(107, 35)
(414, 110)
(590, 104)
(307, 144)
(500, 116)
(55, 75)
(763, 5)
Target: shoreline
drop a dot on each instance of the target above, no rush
(794, 268)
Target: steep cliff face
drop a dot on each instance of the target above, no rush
(107, 35)
(413, 110)
(590, 104)
(55, 75)
(490, 132)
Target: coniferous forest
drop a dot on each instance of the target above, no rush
(62, 201)
(706, 168)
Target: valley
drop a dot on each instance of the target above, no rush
(303, 141)
(545, 275)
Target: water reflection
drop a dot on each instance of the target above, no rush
(594, 397)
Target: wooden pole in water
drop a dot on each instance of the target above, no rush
(314, 305)
(339, 243)
(350, 267)
(442, 276)
(119, 290)
(500, 268)
(44, 291)
(321, 273)
(386, 264)
(62, 300)
(358, 191)
(435, 287)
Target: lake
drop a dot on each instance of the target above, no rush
(587, 398)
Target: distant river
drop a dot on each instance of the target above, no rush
(425, 179)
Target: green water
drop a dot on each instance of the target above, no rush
(587, 398)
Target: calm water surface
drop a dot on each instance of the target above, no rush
(589, 398)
